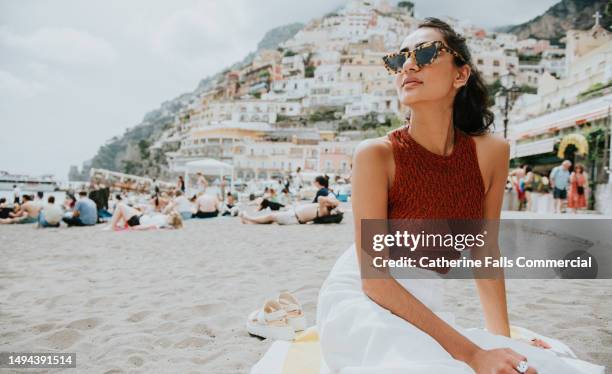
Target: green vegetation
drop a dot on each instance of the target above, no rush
(143, 147)
(530, 59)
(324, 114)
(405, 4)
(309, 71)
(594, 90)
(289, 53)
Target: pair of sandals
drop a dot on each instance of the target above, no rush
(278, 319)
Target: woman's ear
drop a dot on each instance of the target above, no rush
(463, 74)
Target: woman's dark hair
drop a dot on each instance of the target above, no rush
(323, 180)
(470, 109)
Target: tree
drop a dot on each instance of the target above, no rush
(405, 4)
(309, 71)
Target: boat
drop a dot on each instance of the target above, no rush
(45, 183)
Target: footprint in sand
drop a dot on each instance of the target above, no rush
(203, 329)
(136, 361)
(84, 324)
(192, 343)
(163, 342)
(62, 339)
(203, 310)
(137, 317)
(45, 327)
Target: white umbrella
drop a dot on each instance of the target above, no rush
(209, 166)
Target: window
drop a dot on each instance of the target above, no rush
(495, 62)
(480, 61)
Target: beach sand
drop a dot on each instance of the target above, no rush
(175, 301)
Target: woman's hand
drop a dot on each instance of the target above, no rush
(497, 361)
(539, 343)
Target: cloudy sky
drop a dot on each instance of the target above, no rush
(75, 73)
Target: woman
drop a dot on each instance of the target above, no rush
(443, 165)
(125, 215)
(180, 184)
(576, 198)
(528, 182)
(321, 183)
(299, 214)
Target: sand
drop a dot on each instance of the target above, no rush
(176, 301)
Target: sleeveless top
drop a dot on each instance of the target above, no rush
(432, 186)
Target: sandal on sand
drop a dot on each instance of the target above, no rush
(295, 315)
(270, 322)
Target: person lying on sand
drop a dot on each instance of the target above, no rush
(299, 214)
(136, 220)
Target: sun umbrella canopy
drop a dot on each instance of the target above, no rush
(209, 166)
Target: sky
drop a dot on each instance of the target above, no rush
(74, 73)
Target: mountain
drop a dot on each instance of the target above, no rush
(129, 152)
(565, 15)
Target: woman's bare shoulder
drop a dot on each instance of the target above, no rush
(374, 149)
(492, 147)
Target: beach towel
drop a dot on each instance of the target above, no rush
(303, 355)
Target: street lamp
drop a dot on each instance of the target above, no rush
(505, 97)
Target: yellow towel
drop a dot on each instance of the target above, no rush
(304, 354)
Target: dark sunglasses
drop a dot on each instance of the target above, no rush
(423, 55)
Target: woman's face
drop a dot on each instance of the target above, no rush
(434, 82)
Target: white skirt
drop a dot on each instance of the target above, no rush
(359, 336)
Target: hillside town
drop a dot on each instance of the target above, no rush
(308, 103)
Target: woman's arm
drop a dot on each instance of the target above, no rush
(492, 292)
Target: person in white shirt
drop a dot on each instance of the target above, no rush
(183, 205)
(51, 214)
(16, 194)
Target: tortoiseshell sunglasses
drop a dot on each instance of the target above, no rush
(423, 54)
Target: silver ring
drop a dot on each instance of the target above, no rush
(522, 367)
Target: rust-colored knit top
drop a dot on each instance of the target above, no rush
(432, 186)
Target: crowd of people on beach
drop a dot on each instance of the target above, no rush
(569, 186)
(159, 209)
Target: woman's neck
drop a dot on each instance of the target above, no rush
(431, 125)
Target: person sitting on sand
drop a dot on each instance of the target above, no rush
(85, 212)
(50, 215)
(321, 182)
(230, 208)
(207, 206)
(126, 215)
(285, 197)
(27, 213)
(183, 205)
(299, 214)
(5, 210)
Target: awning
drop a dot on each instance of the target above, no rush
(258, 86)
(575, 139)
(209, 166)
(534, 148)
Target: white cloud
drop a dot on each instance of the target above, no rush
(61, 45)
(203, 30)
(12, 86)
